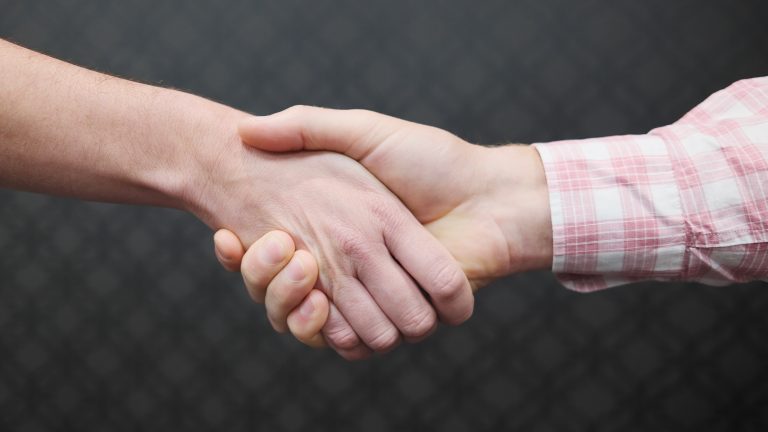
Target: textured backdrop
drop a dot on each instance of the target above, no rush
(118, 318)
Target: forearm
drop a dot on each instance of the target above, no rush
(68, 131)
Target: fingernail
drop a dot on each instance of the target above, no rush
(273, 252)
(307, 308)
(296, 270)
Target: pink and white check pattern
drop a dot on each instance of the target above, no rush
(687, 201)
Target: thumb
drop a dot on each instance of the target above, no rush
(355, 133)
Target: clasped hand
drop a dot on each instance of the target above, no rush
(378, 244)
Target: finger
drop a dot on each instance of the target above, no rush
(307, 320)
(359, 309)
(355, 133)
(264, 260)
(340, 336)
(397, 294)
(435, 270)
(287, 290)
(365, 316)
(228, 248)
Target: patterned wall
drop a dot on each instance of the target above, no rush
(118, 318)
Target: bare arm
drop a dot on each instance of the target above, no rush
(69, 131)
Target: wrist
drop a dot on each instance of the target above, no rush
(194, 147)
(519, 201)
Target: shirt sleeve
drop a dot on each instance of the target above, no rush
(687, 201)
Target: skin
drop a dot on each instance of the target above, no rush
(73, 132)
(488, 206)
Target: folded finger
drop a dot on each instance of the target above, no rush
(264, 260)
(287, 290)
(307, 320)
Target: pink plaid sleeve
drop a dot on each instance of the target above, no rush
(687, 201)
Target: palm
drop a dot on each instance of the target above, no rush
(475, 243)
(428, 169)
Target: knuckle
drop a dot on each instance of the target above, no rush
(420, 323)
(343, 338)
(385, 340)
(448, 283)
(383, 209)
(353, 245)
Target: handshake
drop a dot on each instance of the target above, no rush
(358, 230)
(370, 229)
(362, 229)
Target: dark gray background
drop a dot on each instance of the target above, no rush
(119, 318)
